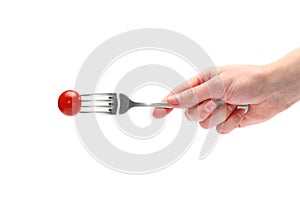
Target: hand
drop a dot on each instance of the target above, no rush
(255, 86)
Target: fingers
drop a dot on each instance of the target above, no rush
(189, 97)
(212, 89)
(201, 111)
(189, 93)
(209, 113)
(193, 82)
(218, 116)
(232, 122)
(161, 112)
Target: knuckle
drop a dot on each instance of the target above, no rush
(189, 98)
(181, 99)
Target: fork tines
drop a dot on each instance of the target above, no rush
(105, 103)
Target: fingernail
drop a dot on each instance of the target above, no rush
(187, 115)
(159, 113)
(210, 106)
(173, 100)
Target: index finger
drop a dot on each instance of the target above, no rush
(192, 82)
(195, 80)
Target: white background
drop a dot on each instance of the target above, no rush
(42, 47)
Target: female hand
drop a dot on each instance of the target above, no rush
(267, 90)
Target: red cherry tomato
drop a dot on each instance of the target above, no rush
(69, 102)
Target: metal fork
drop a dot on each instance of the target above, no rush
(112, 103)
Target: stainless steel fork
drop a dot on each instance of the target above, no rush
(112, 103)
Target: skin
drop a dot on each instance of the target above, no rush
(267, 89)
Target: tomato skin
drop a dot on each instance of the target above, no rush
(69, 102)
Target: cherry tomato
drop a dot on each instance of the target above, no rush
(69, 102)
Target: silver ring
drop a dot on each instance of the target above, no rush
(244, 107)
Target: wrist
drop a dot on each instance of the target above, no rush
(283, 83)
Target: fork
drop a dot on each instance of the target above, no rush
(112, 103)
(71, 102)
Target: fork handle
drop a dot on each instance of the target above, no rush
(156, 105)
(166, 105)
